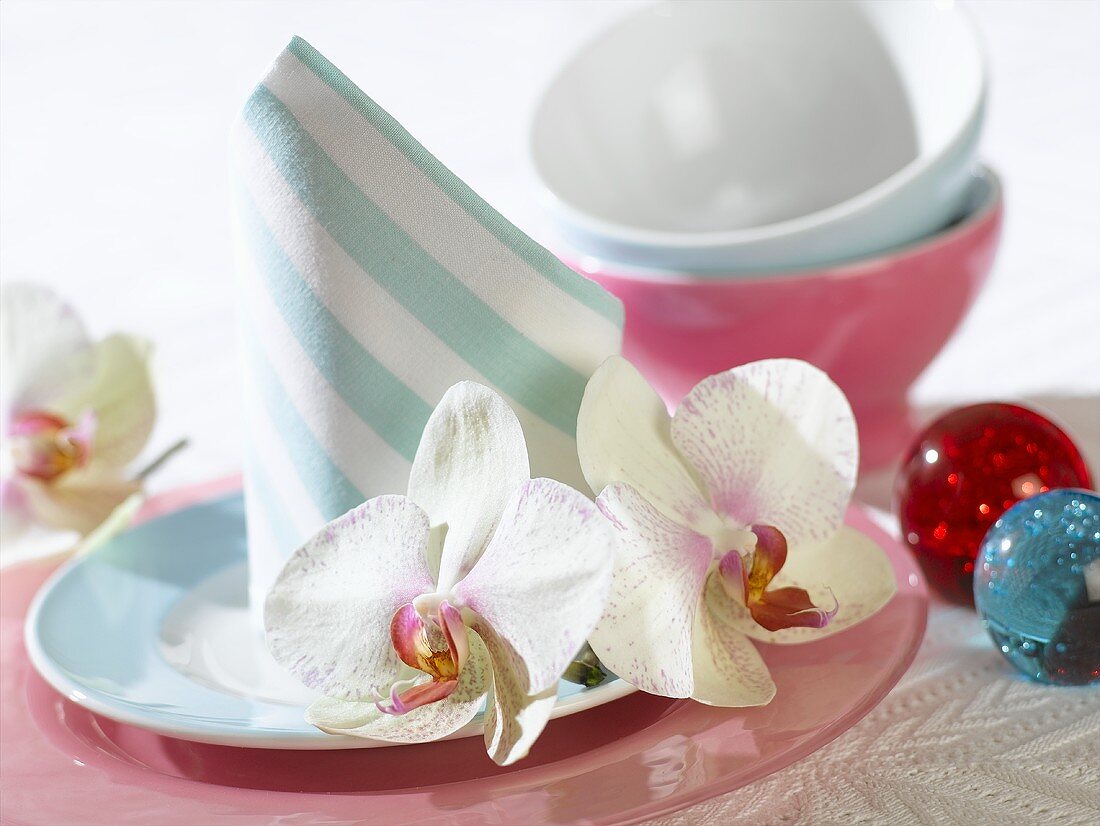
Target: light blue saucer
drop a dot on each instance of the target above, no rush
(152, 629)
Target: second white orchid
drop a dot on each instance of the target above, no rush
(406, 612)
(75, 413)
(729, 525)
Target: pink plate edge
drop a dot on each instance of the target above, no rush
(831, 732)
(909, 579)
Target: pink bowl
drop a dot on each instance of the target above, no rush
(872, 324)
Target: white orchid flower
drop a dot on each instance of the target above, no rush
(75, 413)
(406, 612)
(729, 525)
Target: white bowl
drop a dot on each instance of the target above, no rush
(756, 136)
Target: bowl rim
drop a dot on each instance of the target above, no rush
(988, 210)
(689, 241)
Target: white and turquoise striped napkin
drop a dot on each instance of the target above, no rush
(372, 280)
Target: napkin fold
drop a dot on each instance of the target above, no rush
(371, 280)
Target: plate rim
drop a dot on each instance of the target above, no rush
(222, 734)
(827, 735)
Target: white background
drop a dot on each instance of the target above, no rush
(113, 182)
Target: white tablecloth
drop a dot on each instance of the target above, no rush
(112, 159)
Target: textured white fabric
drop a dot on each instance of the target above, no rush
(962, 739)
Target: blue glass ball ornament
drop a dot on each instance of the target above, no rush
(1037, 586)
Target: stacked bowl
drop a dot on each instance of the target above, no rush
(778, 179)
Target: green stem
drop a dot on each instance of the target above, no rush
(585, 669)
(158, 462)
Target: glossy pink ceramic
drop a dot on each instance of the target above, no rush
(632, 759)
(873, 325)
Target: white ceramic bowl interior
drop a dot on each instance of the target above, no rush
(725, 135)
(981, 194)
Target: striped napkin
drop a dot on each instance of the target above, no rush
(372, 279)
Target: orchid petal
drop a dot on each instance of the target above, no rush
(471, 457)
(121, 518)
(790, 608)
(402, 702)
(121, 396)
(409, 634)
(645, 633)
(335, 716)
(44, 349)
(450, 620)
(768, 557)
(430, 721)
(727, 668)
(623, 436)
(731, 574)
(543, 579)
(78, 500)
(514, 718)
(21, 537)
(15, 518)
(850, 572)
(328, 614)
(775, 443)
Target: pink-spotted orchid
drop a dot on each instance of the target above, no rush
(408, 611)
(729, 525)
(75, 413)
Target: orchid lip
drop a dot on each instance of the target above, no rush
(45, 446)
(436, 646)
(772, 608)
(412, 695)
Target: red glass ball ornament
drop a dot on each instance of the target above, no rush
(965, 470)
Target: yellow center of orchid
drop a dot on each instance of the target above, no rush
(437, 646)
(46, 446)
(772, 608)
(439, 663)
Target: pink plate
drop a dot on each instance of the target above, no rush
(626, 761)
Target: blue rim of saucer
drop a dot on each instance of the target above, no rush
(93, 634)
